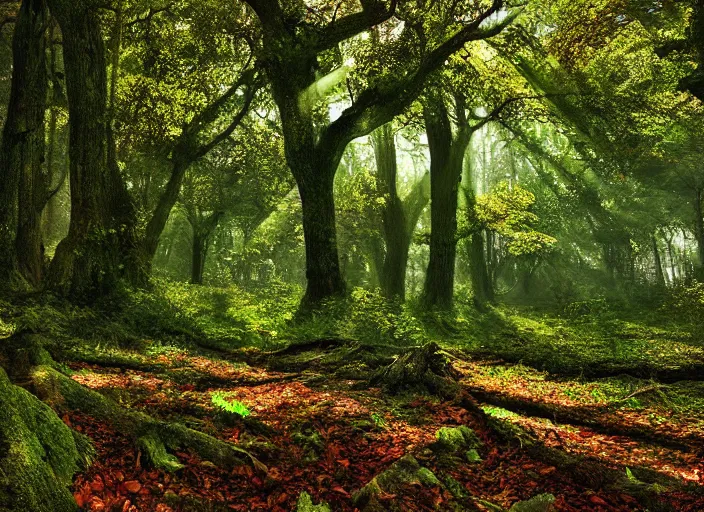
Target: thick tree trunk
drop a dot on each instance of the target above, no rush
(23, 145)
(446, 159)
(322, 260)
(100, 247)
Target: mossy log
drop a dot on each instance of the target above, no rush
(39, 454)
(152, 436)
(422, 369)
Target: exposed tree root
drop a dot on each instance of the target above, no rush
(595, 418)
(644, 484)
(151, 435)
(666, 375)
(422, 369)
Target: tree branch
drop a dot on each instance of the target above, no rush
(375, 107)
(372, 14)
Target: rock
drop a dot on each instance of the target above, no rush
(305, 504)
(539, 503)
(456, 439)
(405, 471)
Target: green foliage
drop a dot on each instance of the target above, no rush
(507, 211)
(687, 302)
(232, 406)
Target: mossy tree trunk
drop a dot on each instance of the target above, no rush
(22, 186)
(100, 247)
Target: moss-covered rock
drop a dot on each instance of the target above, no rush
(38, 454)
(455, 439)
(405, 471)
(305, 504)
(539, 503)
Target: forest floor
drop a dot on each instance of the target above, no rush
(329, 436)
(603, 411)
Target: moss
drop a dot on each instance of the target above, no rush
(305, 504)
(38, 454)
(60, 390)
(405, 471)
(539, 503)
(155, 450)
(455, 439)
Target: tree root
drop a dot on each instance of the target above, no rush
(594, 418)
(152, 436)
(643, 484)
(422, 369)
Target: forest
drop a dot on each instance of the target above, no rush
(351, 255)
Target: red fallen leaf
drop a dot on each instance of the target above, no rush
(126, 506)
(133, 486)
(340, 490)
(344, 462)
(161, 507)
(119, 476)
(596, 500)
(96, 504)
(547, 471)
(66, 419)
(80, 499)
(97, 485)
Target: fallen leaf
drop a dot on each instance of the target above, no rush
(133, 486)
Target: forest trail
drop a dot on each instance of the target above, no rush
(317, 428)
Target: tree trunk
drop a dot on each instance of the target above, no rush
(203, 228)
(699, 234)
(396, 236)
(160, 216)
(100, 247)
(200, 249)
(322, 260)
(481, 284)
(23, 146)
(446, 158)
(659, 274)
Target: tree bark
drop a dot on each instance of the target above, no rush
(23, 145)
(100, 247)
(446, 159)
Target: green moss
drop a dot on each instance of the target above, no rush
(305, 504)
(454, 439)
(155, 450)
(38, 454)
(540, 503)
(405, 471)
